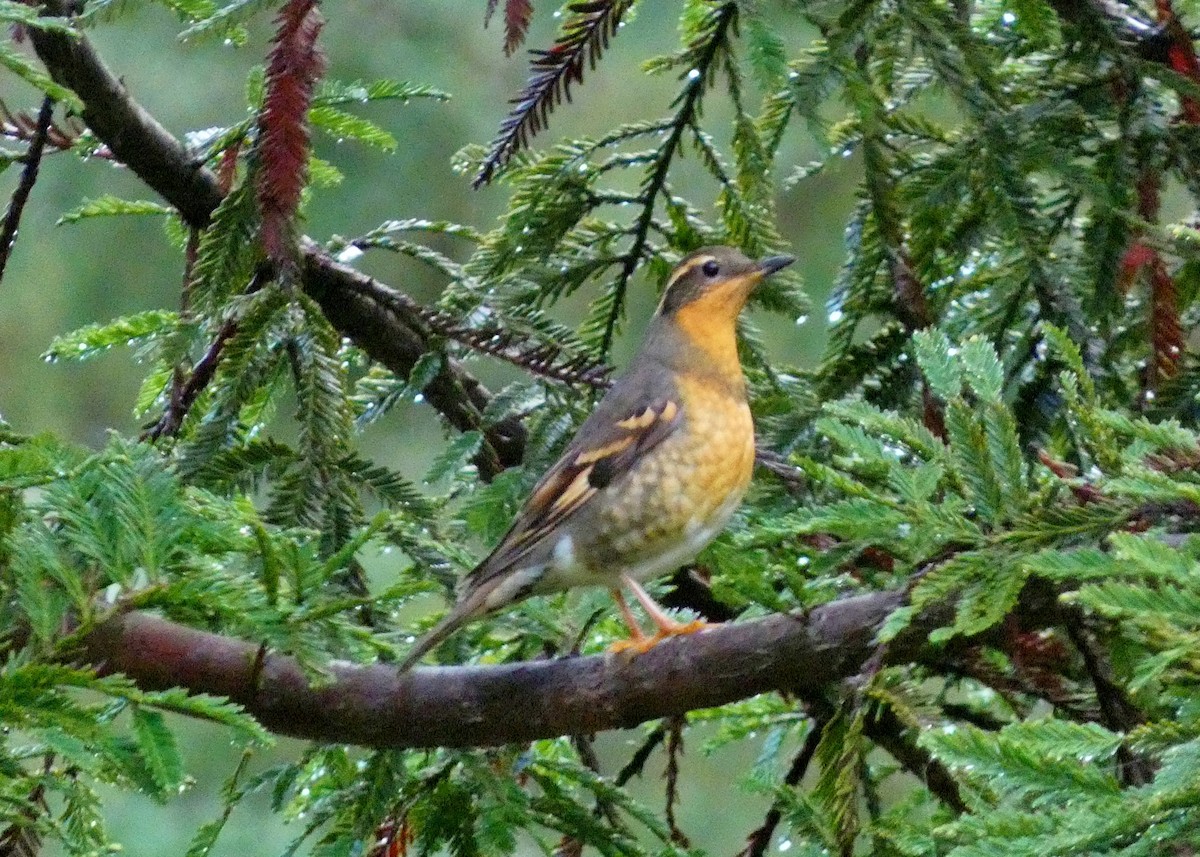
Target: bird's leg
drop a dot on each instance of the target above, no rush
(635, 630)
(638, 641)
(667, 627)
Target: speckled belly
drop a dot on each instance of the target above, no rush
(678, 499)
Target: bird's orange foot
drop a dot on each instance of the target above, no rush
(634, 645)
(640, 644)
(681, 629)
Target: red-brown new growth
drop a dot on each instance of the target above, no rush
(294, 66)
(517, 15)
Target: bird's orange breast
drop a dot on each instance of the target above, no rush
(680, 496)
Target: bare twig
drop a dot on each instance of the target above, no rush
(637, 762)
(1117, 711)
(33, 160)
(183, 396)
(674, 751)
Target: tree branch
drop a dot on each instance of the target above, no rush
(360, 307)
(484, 706)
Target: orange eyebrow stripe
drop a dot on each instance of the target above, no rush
(684, 270)
(593, 455)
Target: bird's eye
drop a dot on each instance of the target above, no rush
(711, 268)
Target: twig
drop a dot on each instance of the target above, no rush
(587, 755)
(674, 751)
(547, 360)
(33, 160)
(697, 82)
(178, 376)
(888, 731)
(1117, 712)
(637, 762)
(182, 398)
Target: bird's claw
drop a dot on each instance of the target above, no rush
(641, 644)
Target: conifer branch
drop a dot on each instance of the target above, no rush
(544, 359)
(25, 839)
(887, 730)
(1166, 332)
(517, 15)
(183, 396)
(1180, 56)
(701, 61)
(356, 304)
(585, 36)
(759, 840)
(376, 319)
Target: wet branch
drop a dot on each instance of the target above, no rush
(490, 705)
(362, 308)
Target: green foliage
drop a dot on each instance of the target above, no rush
(109, 206)
(999, 432)
(19, 64)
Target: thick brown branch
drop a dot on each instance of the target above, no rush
(483, 706)
(360, 307)
(135, 137)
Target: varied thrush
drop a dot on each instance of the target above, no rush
(652, 476)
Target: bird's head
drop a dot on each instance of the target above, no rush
(713, 283)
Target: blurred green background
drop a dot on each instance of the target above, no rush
(61, 277)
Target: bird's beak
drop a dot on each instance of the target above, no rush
(771, 264)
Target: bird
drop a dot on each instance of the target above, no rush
(652, 475)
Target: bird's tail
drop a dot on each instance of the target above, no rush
(460, 614)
